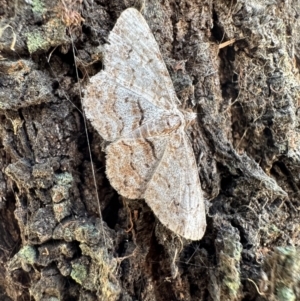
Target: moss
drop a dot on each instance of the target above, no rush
(35, 41)
(64, 179)
(101, 273)
(38, 6)
(229, 262)
(285, 294)
(79, 272)
(52, 34)
(231, 274)
(96, 268)
(28, 254)
(283, 267)
(87, 233)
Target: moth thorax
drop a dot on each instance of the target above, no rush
(189, 117)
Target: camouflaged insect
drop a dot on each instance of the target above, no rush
(132, 104)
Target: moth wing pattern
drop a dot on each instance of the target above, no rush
(134, 59)
(132, 104)
(174, 192)
(135, 86)
(131, 163)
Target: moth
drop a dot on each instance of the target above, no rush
(133, 105)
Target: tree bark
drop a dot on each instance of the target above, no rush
(59, 241)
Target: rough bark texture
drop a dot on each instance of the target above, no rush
(54, 243)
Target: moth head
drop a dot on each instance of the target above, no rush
(189, 117)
